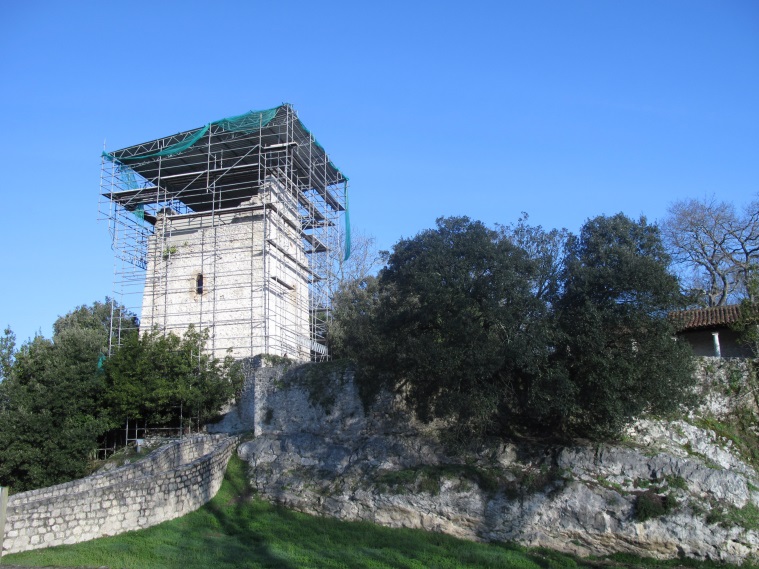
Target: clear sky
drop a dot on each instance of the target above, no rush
(563, 109)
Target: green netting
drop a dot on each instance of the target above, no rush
(247, 122)
(139, 211)
(347, 226)
(168, 151)
(127, 176)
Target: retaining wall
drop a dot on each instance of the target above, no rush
(171, 482)
(725, 385)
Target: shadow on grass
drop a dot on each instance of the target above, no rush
(230, 535)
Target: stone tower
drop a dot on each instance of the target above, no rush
(233, 228)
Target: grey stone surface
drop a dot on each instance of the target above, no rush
(250, 303)
(170, 482)
(724, 385)
(319, 451)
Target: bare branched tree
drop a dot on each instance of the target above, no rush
(364, 261)
(545, 248)
(714, 247)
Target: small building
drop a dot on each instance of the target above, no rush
(709, 331)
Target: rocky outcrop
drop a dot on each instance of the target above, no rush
(673, 489)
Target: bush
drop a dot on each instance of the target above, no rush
(649, 505)
(160, 377)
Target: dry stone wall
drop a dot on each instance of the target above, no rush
(169, 483)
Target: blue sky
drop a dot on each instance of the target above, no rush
(563, 109)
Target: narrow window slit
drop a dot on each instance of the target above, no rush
(199, 283)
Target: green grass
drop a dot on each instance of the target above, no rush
(738, 428)
(240, 531)
(727, 516)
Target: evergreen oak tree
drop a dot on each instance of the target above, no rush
(520, 330)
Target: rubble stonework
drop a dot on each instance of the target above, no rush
(171, 482)
(726, 384)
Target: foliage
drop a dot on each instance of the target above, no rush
(169, 252)
(519, 329)
(727, 516)
(649, 505)
(52, 412)
(7, 352)
(715, 246)
(677, 482)
(99, 316)
(547, 250)
(322, 381)
(57, 399)
(354, 311)
(618, 352)
(444, 322)
(160, 377)
(739, 426)
(748, 324)
(275, 360)
(424, 479)
(235, 530)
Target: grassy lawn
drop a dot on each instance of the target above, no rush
(235, 531)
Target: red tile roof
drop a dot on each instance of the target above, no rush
(713, 317)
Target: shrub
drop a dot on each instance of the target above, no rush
(649, 505)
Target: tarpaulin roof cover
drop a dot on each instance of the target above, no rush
(174, 162)
(174, 159)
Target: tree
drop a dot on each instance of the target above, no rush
(619, 350)
(363, 262)
(715, 246)
(161, 378)
(58, 398)
(447, 323)
(518, 331)
(7, 352)
(97, 316)
(352, 329)
(52, 413)
(545, 248)
(748, 324)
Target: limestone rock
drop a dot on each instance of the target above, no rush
(319, 451)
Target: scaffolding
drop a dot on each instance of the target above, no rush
(234, 227)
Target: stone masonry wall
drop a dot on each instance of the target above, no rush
(726, 385)
(255, 294)
(249, 412)
(171, 482)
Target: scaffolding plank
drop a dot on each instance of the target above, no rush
(316, 245)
